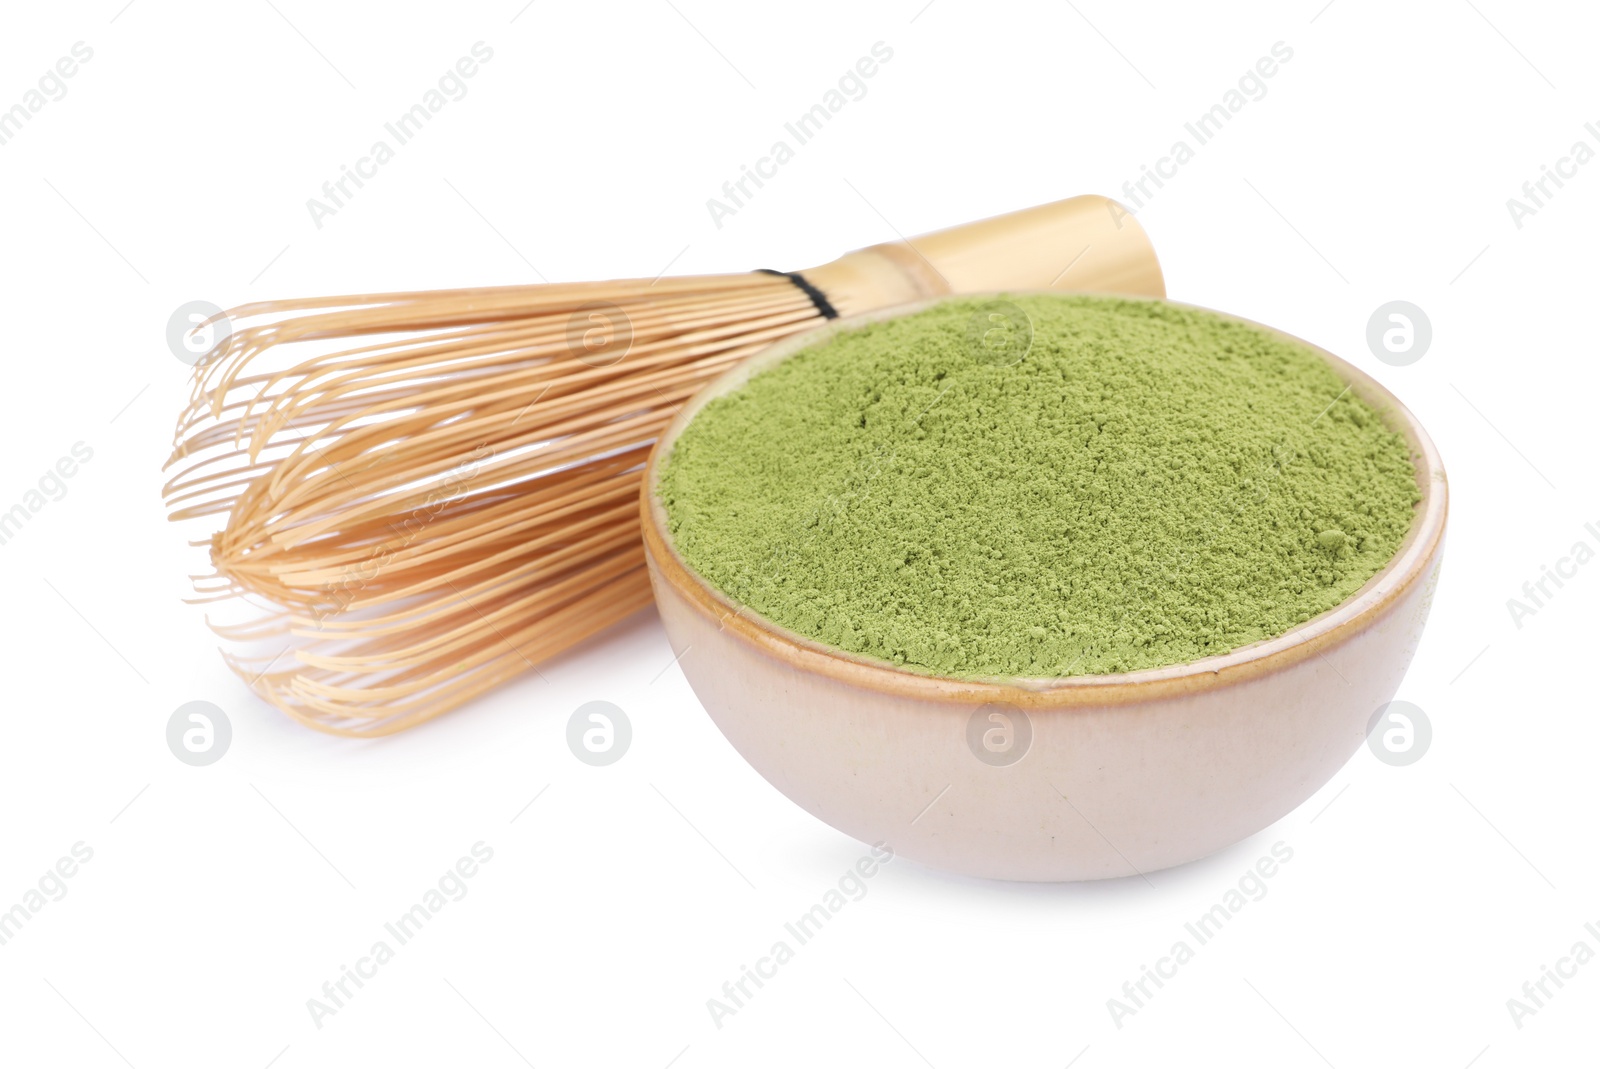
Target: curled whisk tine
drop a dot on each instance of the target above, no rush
(419, 496)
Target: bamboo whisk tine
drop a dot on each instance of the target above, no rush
(445, 495)
(425, 494)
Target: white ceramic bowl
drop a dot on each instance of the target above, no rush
(1080, 778)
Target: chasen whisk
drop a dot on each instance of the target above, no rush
(421, 495)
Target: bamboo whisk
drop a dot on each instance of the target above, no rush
(436, 491)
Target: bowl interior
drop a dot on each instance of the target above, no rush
(1406, 567)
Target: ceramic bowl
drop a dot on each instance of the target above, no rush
(1077, 778)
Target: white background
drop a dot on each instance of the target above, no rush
(220, 899)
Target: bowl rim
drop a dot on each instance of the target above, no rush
(1410, 564)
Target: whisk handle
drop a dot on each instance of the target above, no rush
(1087, 243)
(1083, 243)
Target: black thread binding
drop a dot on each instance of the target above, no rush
(818, 298)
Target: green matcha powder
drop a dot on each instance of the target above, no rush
(1146, 486)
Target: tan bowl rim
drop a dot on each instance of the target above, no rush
(1313, 638)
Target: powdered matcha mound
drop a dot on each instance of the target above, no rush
(1148, 485)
